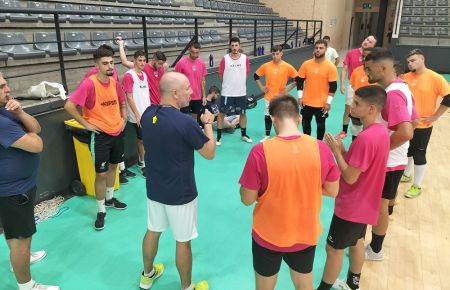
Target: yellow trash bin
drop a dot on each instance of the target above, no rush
(84, 157)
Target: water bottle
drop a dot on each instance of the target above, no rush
(292, 44)
(262, 50)
(211, 60)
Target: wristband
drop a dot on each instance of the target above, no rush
(300, 94)
(329, 100)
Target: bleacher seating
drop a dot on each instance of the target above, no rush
(46, 41)
(19, 17)
(78, 41)
(16, 46)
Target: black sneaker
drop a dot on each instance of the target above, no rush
(122, 178)
(143, 171)
(140, 164)
(100, 221)
(115, 203)
(129, 174)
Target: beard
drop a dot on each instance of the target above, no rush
(319, 56)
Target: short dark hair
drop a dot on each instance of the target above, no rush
(378, 54)
(399, 68)
(159, 55)
(276, 48)
(138, 54)
(214, 89)
(321, 41)
(373, 95)
(416, 51)
(103, 51)
(195, 45)
(284, 106)
(327, 38)
(235, 39)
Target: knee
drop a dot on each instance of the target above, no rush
(332, 252)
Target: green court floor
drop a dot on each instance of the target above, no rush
(79, 258)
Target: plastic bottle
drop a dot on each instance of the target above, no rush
(211, 60)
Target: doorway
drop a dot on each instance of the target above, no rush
(365, 23)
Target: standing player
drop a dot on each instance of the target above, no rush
(426, 87)
(362, 178)
(352, 60)
(195, 70)
(400, 117)
(317, 85)
(277, 73)
(105, 115)
(233, 71)
(331, 53)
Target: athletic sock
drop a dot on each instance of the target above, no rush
(324, 286)
(419, 173)
(151, 273)
(345, 128)
(243, 132)
(219, 134)
(377, 242)
(407, 171)
(27, 286)
(101, 205)
(353, 280)
(109, 193)
(268, 123)
(122, 166)
(391, 209)
(189, 288)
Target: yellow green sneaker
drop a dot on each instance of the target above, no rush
(414, 191)
(147, 282)
(405, 178)
(202, 285)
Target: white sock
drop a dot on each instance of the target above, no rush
(151, 273)
(408, 167)
(27, 286)
(122, 166)
(143, 163)
(101, 205)
(109, 193)
(189, 288)
(419, 173)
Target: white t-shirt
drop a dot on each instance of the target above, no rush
(331, 54)
(141, 95)
(235, 76)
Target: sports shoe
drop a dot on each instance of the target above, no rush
(341, 285)
(123, 177)
(143, 171)
(129, 174)
(34, 258)
(218, 142)
(147, 282)
(413, 192)
(247, 139)
(141, 164)
(405, 178)
(264, 139)
(100, 221)
(115, 203)
(372, 256)
(38, 286)
(202, 285)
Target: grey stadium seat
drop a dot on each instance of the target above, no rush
(430, 2)
(157, 39)
(78, 41)
(429, 31)
(443, 31)
(15, 45)
(418, 11)
(442, 11)
(419, 2)
(165, 3)
(404, 30)
(204, 36)
(127, 40)
(154, 19)
(16, 17)
(407, 2)
(46, 41)
(442, 20)
(41, 5)
(180, 19)
(407, 11)
(183, 37)
(168, 19)
(430, 11)
(443, 2)
(100, 37)
(94, 18)
(198, 3)
(107, 9)
(3, 56)
(140, 1)
(170, 38)
(429, 20)
(72, 18)
(417, 20)
(215, 36)
(416, 30)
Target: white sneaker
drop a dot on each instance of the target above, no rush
(372, 256)
(341, 285)
(34, 258)
(218, 142)
(38, 286)
(264, 139)
(247, 139)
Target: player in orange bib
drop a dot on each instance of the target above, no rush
(427, 86)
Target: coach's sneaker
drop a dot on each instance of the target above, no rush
(202, 285)
(123, 177)
(34, 258)
(100, 221)
(341, 285)
(218, 142)
(129, 174)
(141, 164)
(147, 282)
(405, 178)
(372, 256)
(413, 192)
(38, 286)
(247, 139)
(115, 203)
(264, 139)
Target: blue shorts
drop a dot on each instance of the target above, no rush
(233, 105)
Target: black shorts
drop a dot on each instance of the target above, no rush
(194, 107)
(105, 150)
(418, 145)
(233, 105)
(138, 131)
(391, 183)
(343, 233)
(267, 262)
(17, 215)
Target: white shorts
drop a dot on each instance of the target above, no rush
(266, 107)
(349, 95)
(182, 219)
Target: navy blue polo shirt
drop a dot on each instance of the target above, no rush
(170, 139)
(18, 168)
